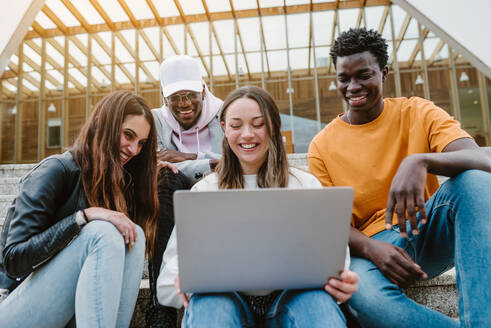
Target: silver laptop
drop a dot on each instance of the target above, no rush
(262, 239)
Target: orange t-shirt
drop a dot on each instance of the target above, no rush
(368, 156)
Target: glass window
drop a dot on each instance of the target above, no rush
(53, 135)
(470, 104)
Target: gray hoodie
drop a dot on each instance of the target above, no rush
(206, 128)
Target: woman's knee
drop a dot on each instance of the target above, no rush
(310, 307)
(103, 234)
(139, 243)
(209, 309)
(213, 301)
(317, 297)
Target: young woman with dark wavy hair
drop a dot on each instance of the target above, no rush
(74, 239)
(253, 156)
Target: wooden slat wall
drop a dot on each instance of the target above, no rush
(8, 131)
(303, 106)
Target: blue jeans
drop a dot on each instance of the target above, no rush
(94, 278)
(458, 233)
(299, 308)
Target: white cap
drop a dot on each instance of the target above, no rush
(180, 73)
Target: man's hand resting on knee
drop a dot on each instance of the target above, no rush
(394, 263)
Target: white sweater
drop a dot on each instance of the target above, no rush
(166, 292)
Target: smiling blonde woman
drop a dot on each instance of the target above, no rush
(254, 157)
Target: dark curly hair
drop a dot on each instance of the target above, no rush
(357, 40)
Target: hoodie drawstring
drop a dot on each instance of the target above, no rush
(197, 139)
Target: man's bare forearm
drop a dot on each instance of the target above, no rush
(358, 243)
(452, 163)
(459, 155)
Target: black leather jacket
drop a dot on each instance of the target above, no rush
(41, 220)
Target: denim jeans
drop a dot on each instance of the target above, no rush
(458, 233)
(94, 278)
(299, 308)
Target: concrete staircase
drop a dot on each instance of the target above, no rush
(439, 293)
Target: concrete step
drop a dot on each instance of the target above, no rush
(5, 201)
(9, 186)
(439, 293)
(14, 170)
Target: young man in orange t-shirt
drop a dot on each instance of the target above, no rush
(404, 226)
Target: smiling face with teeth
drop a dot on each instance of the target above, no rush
(360, 81)
(246, 133)
(188, 110)
(134, 134)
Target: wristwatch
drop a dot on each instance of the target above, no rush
(80, 218)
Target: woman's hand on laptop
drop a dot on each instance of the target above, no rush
(342, 289)
(182, 296)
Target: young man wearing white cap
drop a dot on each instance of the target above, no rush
(190, 137)
(189, 132)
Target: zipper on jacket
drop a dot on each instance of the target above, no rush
(34, 267)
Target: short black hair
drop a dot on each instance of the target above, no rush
(357, 40)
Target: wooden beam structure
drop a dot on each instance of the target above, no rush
(88, 29)
(333, 33)
(42, 106)
(38, 31)
(112, 28)
(55, 64)
(132, 53)
(191, 34)
(217, 39)
(52, 16)
(261, 27)
(65, 118)
(383, 20)
(71, 8)
(163, 28)
(401, 34)
(214, 16)
(95, 61)
(13, 82)
(117, 62)
(417, 49)
(18, 115)
(310, 36)
(73, 61)
(435, 53)
(240, 39)
(135, 29)
(136, 25)
(361, 13)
